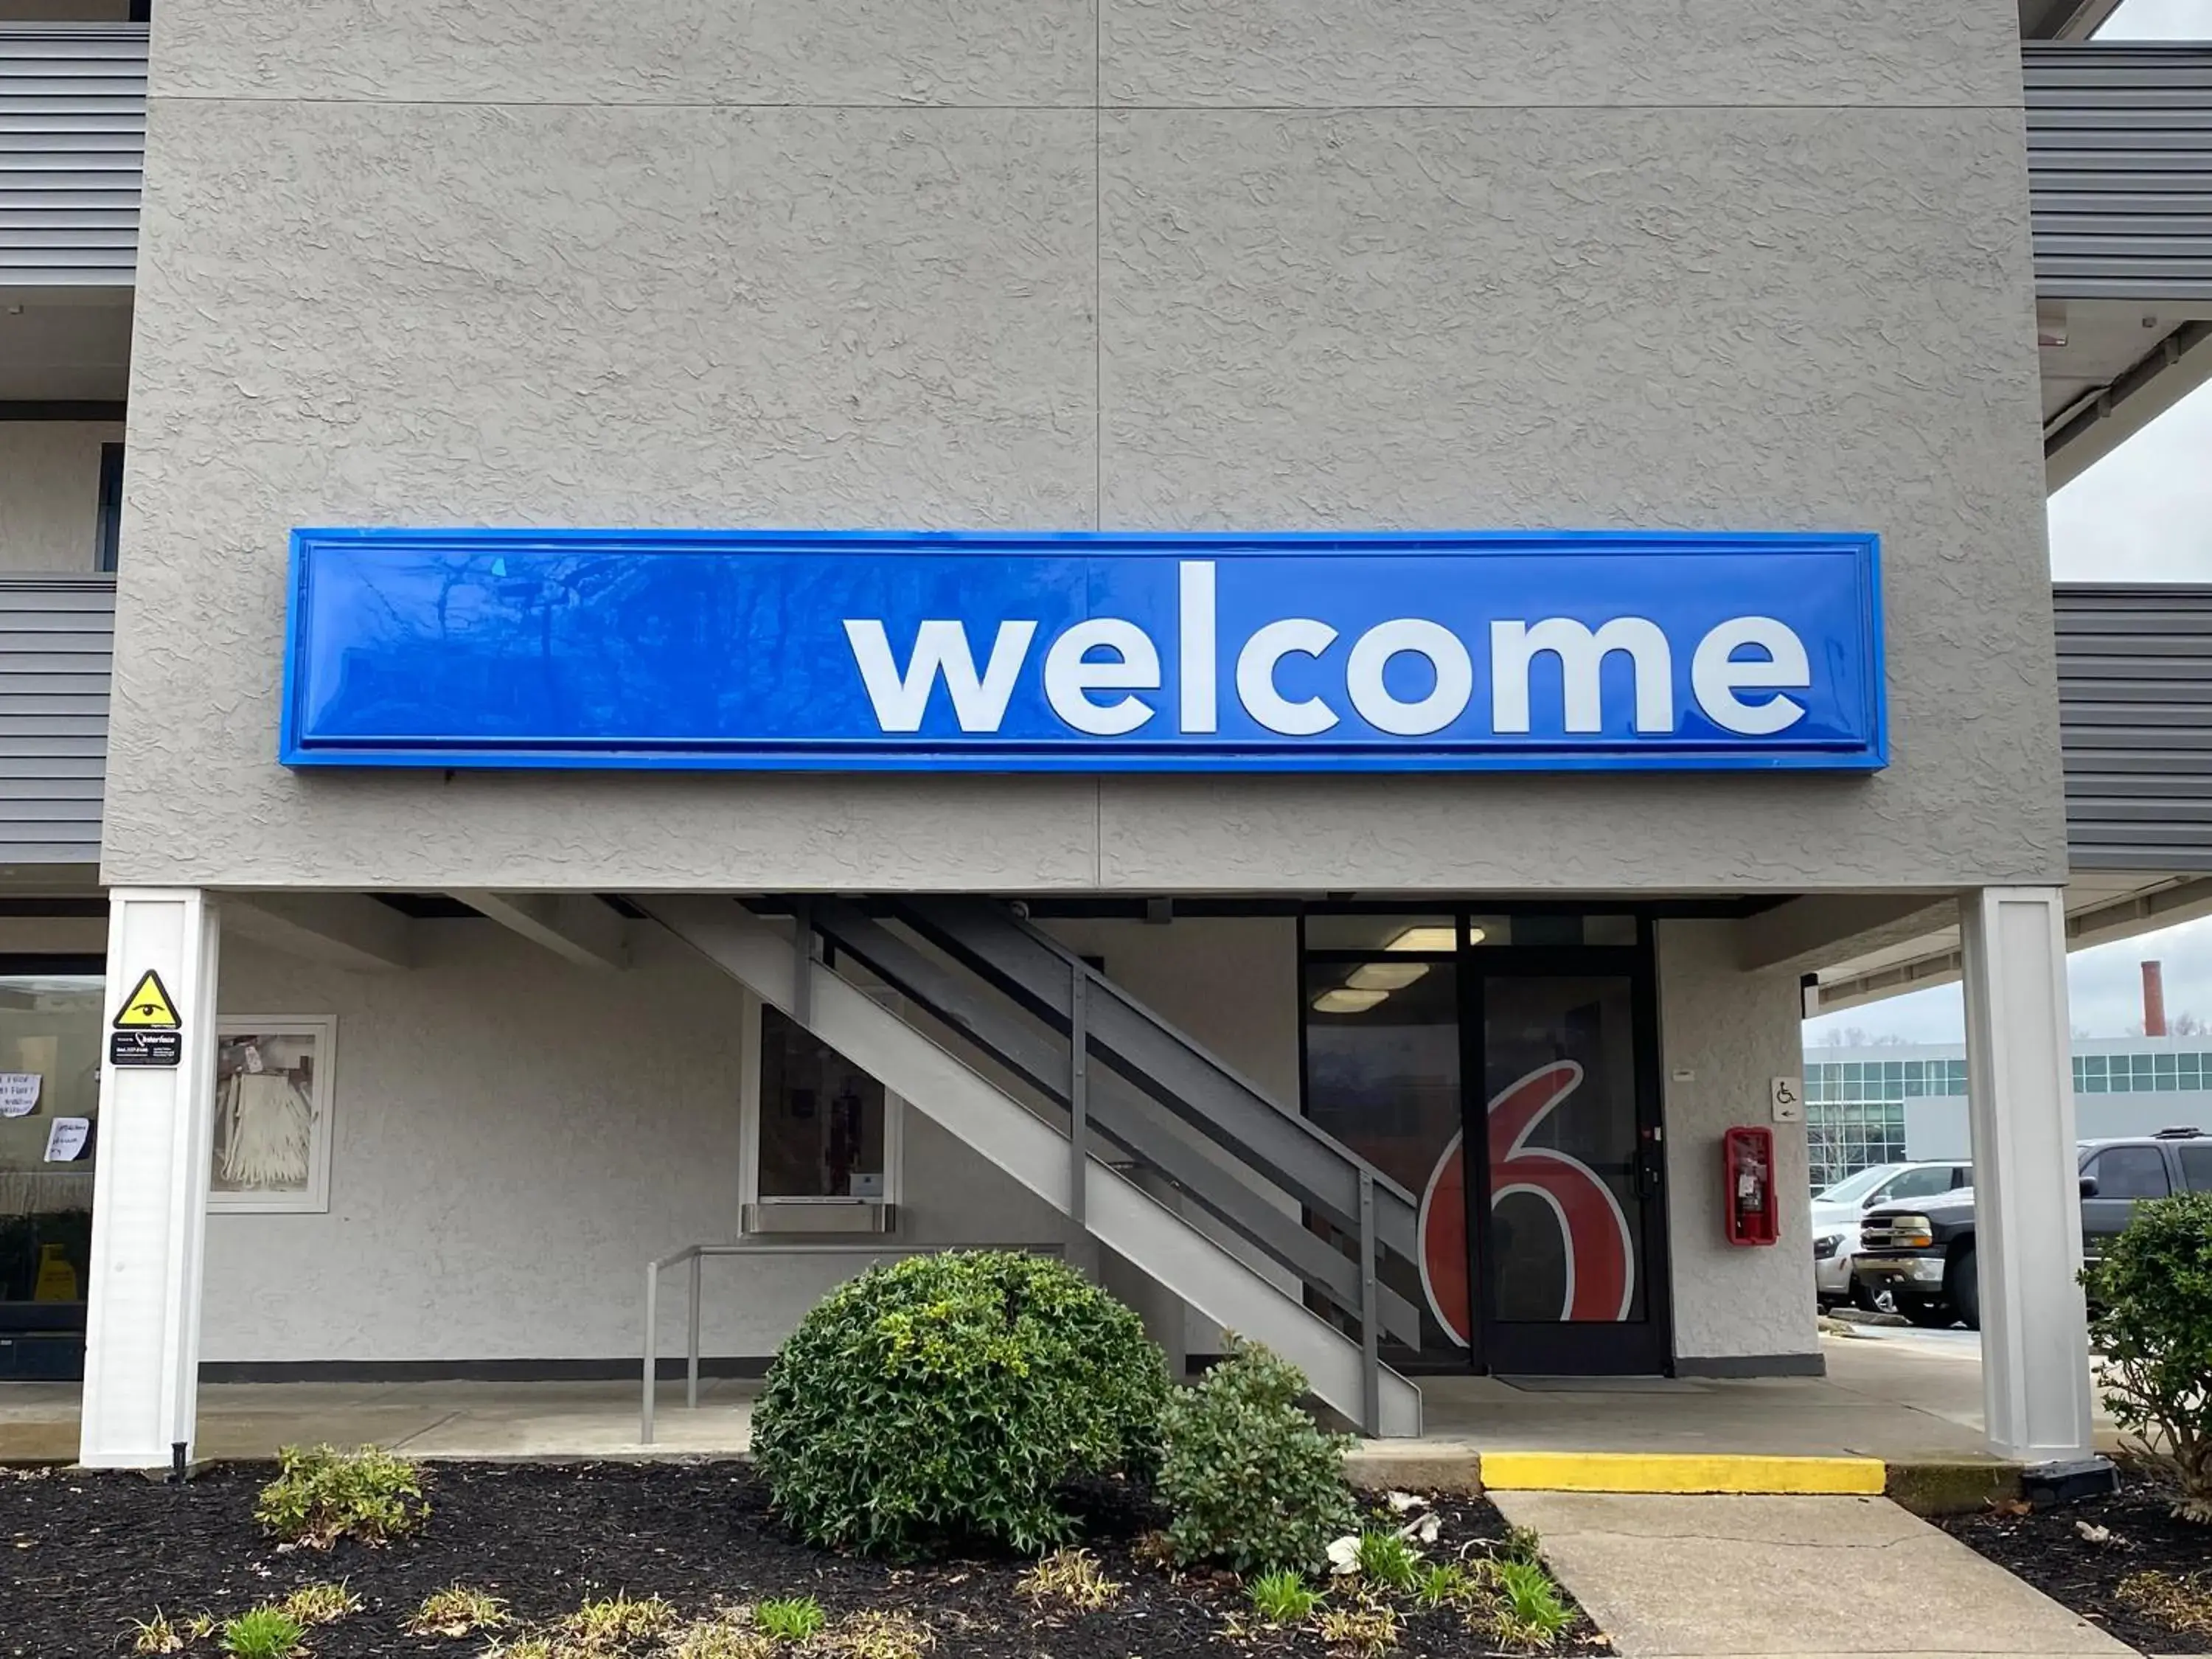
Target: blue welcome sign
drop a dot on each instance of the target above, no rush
(1083, 651)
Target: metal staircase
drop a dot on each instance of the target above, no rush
(1093, 1091)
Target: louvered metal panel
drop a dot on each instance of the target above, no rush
(56, 643)
(2119, 167)
(72, 153)
(2134, 716)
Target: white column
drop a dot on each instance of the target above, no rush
(149, 1191)
(2028, 1202)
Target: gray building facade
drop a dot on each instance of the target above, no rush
(1114, 266)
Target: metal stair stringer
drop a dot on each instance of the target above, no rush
(1183, 1259)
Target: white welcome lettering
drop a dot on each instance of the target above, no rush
(1514, 646)
(900, 699)
(1110, 655)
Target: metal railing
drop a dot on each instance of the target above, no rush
(696, 1254)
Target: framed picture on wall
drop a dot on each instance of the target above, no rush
(272, 1114)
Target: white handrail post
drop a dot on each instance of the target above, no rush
(651, 1344)
(692, 1336)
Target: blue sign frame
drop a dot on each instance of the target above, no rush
(1078, 651)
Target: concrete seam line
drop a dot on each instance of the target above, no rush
(1682, 1473)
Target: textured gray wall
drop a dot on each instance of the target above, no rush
(1734, 1033)
(1648, 263)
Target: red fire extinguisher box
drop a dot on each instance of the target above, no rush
(1747, 1171)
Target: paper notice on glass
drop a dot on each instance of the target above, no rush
(19, 1093)
(66, 1140)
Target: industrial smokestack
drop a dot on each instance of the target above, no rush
(2153, 1000)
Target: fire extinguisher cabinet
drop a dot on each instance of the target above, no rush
(1747, 1171)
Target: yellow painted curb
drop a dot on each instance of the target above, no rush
(1679, 1472)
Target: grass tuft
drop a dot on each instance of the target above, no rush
(726, 1633)
(790, 1618)
(456, 1610)
(2183, 1603)
(1527, 1609)
(1073, 1577)
(1448, 1584)
(319, 1604)
(1388, 1559)
(265, 1633)
(616, 1621)
(1366, 1628)
(877, 1636)
(155, 1635)
(1282, 1598)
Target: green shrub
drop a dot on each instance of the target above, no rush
(1248, 1478)
(944, 1400)
(323, 1494)
(263, 1634)
(2151, 1302)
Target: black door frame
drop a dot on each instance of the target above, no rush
(1564, 1349)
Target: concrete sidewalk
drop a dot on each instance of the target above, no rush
(1901, 1397)
(1674, 1578)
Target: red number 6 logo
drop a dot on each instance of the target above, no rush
(1601, 1258)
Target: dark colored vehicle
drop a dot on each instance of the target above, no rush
(1922, 1254)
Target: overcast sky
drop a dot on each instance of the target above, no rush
(2143, 514)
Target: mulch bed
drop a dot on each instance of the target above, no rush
(82, 1555)
(2085, 1571)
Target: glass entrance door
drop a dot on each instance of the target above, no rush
(1568, 1261)
(1501, 1069)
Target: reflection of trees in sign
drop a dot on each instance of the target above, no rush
(1600, 1255)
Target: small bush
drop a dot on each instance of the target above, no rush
(792, 1619)
(942, 1400)
(263, 1634)
(457, 1611)
(1248, 1478)
(2151, 1302)
(1282, 1598)
(322, 1494)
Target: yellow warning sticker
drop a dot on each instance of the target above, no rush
(149, 1007)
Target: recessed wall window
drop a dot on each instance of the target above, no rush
(825, 1136)
(272, 1114)
(108, 526)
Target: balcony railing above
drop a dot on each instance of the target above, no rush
(72, 153)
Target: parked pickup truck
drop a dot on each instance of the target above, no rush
(1922, 1254)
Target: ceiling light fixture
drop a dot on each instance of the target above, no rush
(1422, 939)
(1385, 975)
(1346, 1000)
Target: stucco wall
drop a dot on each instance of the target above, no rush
(517, 1136)
(515, 1139)
(1155, 263)
(1724, 1037)
(50, 495)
